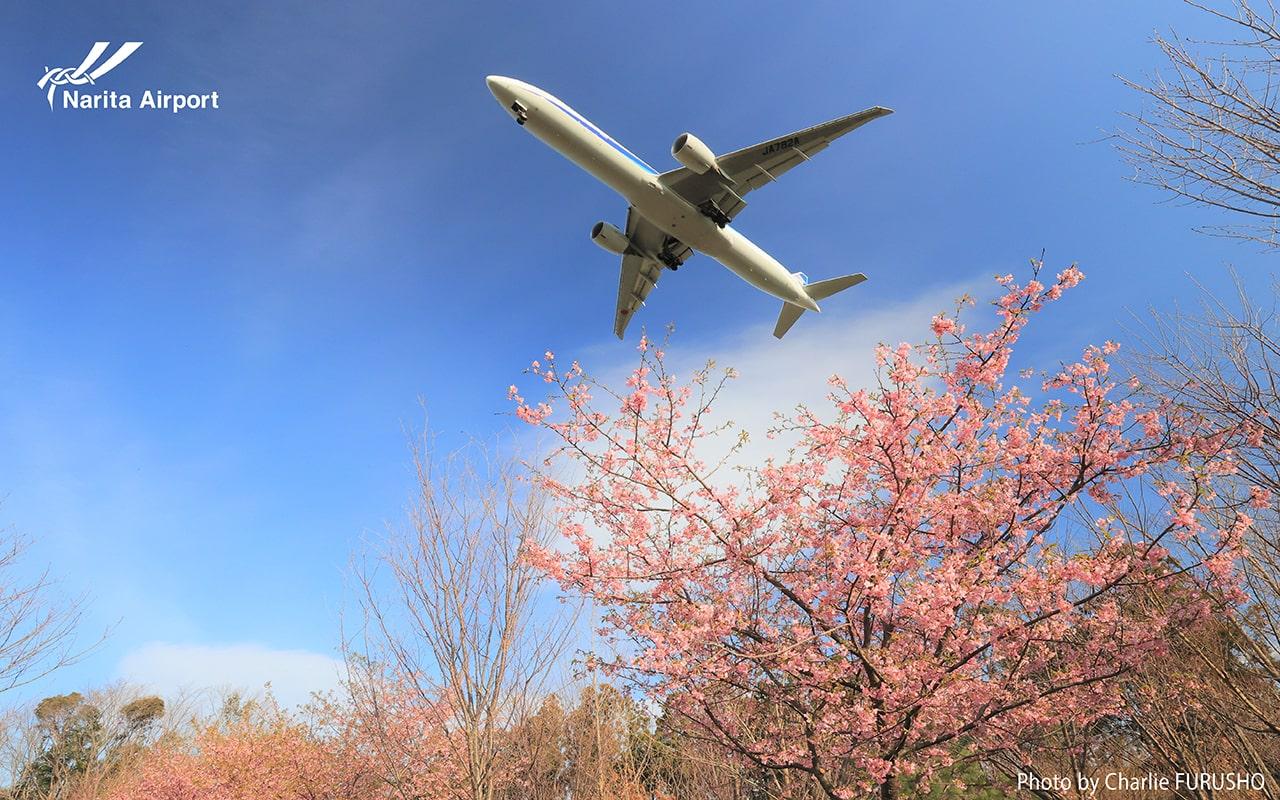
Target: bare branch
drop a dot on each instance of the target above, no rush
(461, 618)
(1211, 132)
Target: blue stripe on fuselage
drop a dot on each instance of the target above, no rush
(604, 137)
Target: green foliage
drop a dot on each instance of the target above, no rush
(71, 729)
(964, 780)
(76, 737)
(141, 713)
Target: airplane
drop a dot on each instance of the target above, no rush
(674, 213)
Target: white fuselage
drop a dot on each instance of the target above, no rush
(577, 139)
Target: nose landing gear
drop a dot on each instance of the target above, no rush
(520, 112)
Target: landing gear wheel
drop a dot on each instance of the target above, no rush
(713, 212)
(667, 254)
(669, 261)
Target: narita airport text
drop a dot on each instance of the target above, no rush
(158, 100)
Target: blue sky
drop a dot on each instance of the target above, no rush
(216, 326)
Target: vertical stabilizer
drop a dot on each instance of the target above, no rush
(790, 313)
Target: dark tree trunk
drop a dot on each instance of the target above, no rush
(889, 789)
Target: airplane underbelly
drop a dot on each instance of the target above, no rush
(754, 265)
(588, 152)
(668, 211)
(676, 217)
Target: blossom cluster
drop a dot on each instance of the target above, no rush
(939, 563)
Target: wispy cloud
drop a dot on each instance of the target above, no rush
(776, 376)
(176, 668)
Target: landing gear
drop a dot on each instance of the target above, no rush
(714, 213)
(667, 257)
(519, 112)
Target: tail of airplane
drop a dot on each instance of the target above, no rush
(817, 291)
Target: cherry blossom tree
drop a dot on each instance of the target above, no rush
(406, 739)
(256, 751)
(930, 573)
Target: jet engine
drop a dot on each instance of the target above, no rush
(690, 151)
(610, 238)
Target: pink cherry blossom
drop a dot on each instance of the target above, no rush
(915, 574)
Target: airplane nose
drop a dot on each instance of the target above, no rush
(507, 91)
(497, 85)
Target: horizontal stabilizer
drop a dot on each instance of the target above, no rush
(824, 289)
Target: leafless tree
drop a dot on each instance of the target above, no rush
(454, 611)
(599, 744)
(1222, 361)
(1211, 132)
(37, 629)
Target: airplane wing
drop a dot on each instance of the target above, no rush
(642, 265)
(752, 167)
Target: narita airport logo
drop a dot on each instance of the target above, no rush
(79, 86)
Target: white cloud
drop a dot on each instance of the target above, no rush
(776, 376)
(172, 669)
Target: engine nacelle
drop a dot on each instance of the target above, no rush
(690, 151)
(610, 238)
